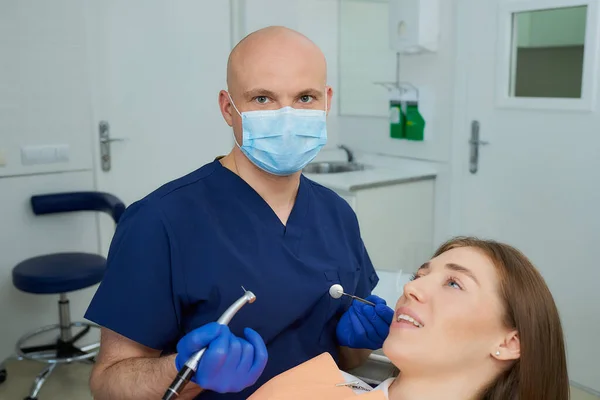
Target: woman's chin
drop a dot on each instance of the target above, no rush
(404, 347)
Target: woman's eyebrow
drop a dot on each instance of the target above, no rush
(464, 270)
(424, 266)
(453, 267)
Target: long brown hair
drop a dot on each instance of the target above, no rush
(541, 371)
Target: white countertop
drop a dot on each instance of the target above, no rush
(382, 170)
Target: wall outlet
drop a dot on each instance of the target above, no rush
(50, 154)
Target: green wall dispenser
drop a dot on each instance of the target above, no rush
(406, 122)
(414, 123)
(396, 120)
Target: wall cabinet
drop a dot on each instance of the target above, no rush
(396, 223)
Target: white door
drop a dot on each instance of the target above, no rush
(537, 183)
(156, 71)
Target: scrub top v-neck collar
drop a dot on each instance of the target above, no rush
(297, 218)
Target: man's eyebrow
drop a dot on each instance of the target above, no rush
(252, 93)
(453, 267)
(311, 92)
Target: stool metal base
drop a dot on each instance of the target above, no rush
(60, 352)
(40, 380)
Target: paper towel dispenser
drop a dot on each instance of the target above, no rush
(414, 26)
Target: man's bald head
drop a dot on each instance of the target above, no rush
(273, 42)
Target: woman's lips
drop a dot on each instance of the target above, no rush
(407, 318)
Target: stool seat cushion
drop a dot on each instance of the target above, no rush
(59, 273)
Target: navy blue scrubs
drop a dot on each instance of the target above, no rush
(181, 255)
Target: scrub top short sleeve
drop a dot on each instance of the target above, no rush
(135, 297)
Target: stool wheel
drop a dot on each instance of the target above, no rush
(3, 374)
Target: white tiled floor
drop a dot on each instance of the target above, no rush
(67, 382)
(70, 382)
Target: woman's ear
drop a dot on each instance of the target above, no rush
(509, 348)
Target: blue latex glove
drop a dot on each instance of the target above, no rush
(229, 364)
(363, 326)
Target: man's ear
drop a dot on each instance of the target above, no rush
(509, 347)
(226, 107)
(329, 95)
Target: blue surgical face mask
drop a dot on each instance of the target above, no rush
(283, 141)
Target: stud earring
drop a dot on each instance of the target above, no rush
(498, 353)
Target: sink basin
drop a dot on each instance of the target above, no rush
(333, 167)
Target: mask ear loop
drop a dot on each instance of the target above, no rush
(233, 104)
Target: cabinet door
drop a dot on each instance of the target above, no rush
(397, 224)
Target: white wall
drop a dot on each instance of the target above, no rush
(365, 58)
(44, 99)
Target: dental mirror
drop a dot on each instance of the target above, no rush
(336, 291)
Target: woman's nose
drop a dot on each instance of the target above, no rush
(413, 291)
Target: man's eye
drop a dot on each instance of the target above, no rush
(262, 99)
(306, 99)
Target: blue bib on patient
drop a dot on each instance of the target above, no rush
(181, 255)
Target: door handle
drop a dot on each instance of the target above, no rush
(475, 142)
(109, 140)
(105, 141)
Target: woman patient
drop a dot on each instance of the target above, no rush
(476, 322)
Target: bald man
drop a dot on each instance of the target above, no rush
(181, 255)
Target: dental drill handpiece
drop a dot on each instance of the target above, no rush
(191, 365)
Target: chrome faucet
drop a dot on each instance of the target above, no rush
(348, 152)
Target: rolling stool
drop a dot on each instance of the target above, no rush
(61, 273)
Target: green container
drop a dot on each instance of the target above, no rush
(397, 120)
(414, 123)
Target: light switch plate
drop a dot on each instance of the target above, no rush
(47, 154)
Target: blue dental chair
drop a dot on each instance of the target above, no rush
(59, 274)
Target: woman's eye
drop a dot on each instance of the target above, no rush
(262, 99)
(306, 99)
(453, 282)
